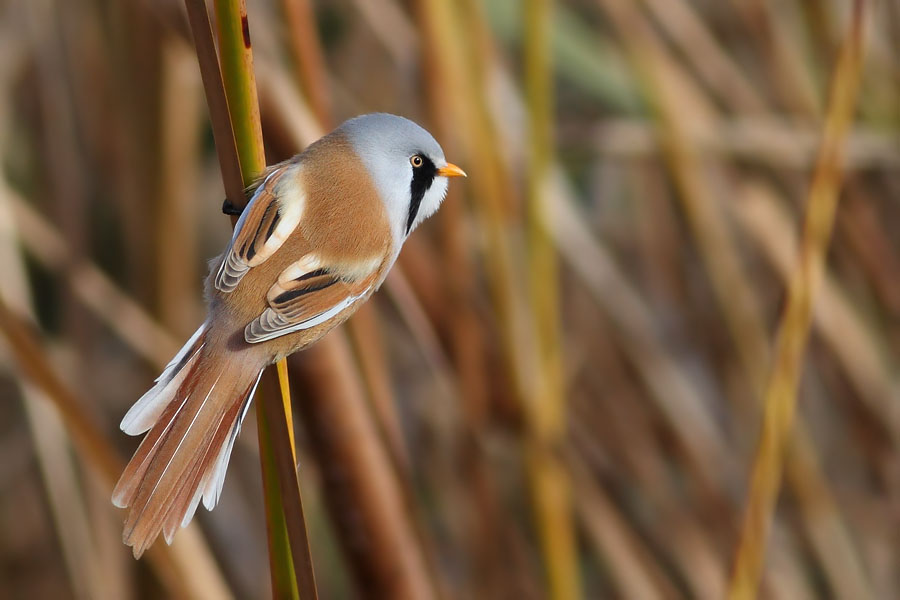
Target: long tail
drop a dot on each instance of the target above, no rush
(193, 414)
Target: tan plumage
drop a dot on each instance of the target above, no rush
(316, 240)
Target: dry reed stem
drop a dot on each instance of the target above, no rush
(605, 439)
(790, 80)
(186, 569)
(677, 397)
(309, 62)
(873, 249)
(363, 495)
(602, 275)
(443, 76)
(216, 101)
(545, 406)
(781, 390)
(471, 72)
(685, 543)
(457, 316)
(397, 287)
(176, 240)
(469, 57)
(289, 545)
(363, 331)
(802, 478)
(62, 163)
(843, 326)
(392, 28)
(830, 538)
(66, 502)
(548, 405)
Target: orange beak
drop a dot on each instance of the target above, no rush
(451, 170)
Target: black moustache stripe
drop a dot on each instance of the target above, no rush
(422, 179)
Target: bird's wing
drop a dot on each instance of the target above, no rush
(344, 243)
(308, 294)
(265, 224)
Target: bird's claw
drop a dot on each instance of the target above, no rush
(230, 209)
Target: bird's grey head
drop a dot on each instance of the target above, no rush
(403, 160)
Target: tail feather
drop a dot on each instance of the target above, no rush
(186, 494)
(198, 405)
(132, 476)
(189, 491)
(215, 476)
(168, 468)
(146, 411)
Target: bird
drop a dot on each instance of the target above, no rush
(318, 236)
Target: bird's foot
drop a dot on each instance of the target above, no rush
(230, 209)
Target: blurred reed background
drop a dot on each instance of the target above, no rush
(559, 391)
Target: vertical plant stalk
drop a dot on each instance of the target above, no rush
(236, 55)
(459, 34)
(364, 498)
(793, 331)
(288, 518)
(549, 481)
(457, 318)
(179, 142)
(492, 183)
(240, 132)
(308, 60)
(281, 567)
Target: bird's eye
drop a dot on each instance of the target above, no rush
(416, 161)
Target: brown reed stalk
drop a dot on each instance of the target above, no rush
(492, 183)
(457, 318)
(177, 241)
(793, 330)
(362, 491)
(546, 475)
(454, 313)
(546, 406)
(309, 63)
(783, 60)
(842, 326)
(239, 129)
